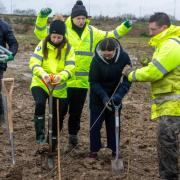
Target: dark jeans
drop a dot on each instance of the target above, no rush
(76, 99)
(40, 97)
(95, 128)
(1, 101)
(168, 147)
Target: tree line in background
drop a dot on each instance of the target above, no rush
(32, 12)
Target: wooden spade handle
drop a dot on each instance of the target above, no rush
(7, 86)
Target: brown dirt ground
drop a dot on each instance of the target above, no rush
(138, 137)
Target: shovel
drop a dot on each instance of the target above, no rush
(58, 137)
(117, 164)
(50, 159)
(7, 87)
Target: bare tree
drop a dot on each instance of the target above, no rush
(28, 12)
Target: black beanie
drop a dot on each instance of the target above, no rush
(57, 27)
(78, 10)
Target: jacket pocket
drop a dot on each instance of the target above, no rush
(161, 89)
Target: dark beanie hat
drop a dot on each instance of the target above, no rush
(57, 27)
(78, 10)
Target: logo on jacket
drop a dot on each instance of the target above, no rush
(38, 48)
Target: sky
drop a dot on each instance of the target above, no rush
(110, 8)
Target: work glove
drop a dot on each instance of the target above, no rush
(4, 58)
(145, 60)
(107, 103)
(116, 100)
(127, 69)
(128, 23)
(46, 78)
(56, 79)
(45, 12)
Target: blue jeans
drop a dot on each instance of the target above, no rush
(95, 128)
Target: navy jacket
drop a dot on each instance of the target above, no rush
(7, 38)
(105, 75)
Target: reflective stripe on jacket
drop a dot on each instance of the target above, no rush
(64, 67)
(84, 46)
(164, 73)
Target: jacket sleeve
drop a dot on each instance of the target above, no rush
(41, 28)
(94, 81)
(69, 69)
(35, 63)
(125, 85)
(11, 40)
(167, 59)
(117, 33)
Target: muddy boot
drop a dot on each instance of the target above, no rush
(73, 141)
(40, 129)
(54, 144)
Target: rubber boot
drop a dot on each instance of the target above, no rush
(73, 141)
(40, 129)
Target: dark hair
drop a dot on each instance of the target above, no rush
(160, 18)
(45, 49)
(108, 44)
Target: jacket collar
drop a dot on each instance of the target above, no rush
(117, 54)
(172, 31)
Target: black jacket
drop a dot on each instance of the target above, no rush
(105, 75)
(7, 38)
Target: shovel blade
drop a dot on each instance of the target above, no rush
(117, 166)
(50, 161)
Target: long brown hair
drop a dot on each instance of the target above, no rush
(60, 47)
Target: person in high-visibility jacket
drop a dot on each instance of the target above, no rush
(84, 38)
(52, 64)
(164, 74)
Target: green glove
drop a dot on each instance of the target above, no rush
(127, 23)
(145, 61)
(45, 12)
(4, 58)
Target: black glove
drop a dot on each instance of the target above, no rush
(107, 103)
(116, 100)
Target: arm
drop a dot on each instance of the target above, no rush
(117, 33)
(125, 85)
(167, 59)
(69, 65)
(94, 81)
(41, 28)
(35, 63)
(11, 40)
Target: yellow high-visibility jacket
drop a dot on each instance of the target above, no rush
(64, 66)
(164, 73)
(84, 46)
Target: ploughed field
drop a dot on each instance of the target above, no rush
(138, 135)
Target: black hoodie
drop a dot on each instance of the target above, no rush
(105, 75)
